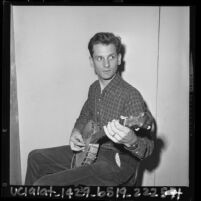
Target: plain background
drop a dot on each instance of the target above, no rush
(53, 76)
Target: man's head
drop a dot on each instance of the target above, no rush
(105, 38)
(105, 56)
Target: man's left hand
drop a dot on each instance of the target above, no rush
(119, 133)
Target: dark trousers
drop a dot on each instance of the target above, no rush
(51, 167)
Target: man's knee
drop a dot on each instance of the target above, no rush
(33, 155)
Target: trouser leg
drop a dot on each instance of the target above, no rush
(52, 167)
(104, 172)
(47, 161)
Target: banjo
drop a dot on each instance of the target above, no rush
(93, 133)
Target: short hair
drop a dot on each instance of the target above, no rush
(105, 38)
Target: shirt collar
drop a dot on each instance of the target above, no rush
(112, 85)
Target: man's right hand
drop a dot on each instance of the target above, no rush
(76, 141)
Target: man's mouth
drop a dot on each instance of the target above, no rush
(107, 71)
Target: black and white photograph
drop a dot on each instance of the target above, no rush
(100, 95)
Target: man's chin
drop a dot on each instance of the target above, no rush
(108, 77)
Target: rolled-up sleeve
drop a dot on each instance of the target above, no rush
(142, 148)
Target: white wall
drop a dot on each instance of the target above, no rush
(53, 73)
(173, 96)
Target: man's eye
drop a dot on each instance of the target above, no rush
(111, 57)
(99, 58)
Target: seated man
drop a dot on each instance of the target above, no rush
(120, 153)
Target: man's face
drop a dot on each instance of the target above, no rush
(105, 61)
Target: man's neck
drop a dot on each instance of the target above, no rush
(104, 83)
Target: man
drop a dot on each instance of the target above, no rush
(109, 98)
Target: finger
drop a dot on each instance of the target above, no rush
(115, 133)
(76, 148)
(76, 141)
(126, 136)
(80, 144)
(110, 130)
(119, 133)
(120, 128)
(116, 137)
(79, 137)
(73, 147)
(109, 135)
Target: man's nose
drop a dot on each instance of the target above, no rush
(106, 63)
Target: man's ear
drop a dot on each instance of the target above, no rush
(119, 59)
(91, 61)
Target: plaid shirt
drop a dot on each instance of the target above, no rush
(117, 98)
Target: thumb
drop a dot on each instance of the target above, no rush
(79, 137)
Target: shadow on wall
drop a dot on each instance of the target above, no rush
(152, 162)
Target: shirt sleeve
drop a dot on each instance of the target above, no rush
(144, 145)
(142, 148)
(85, 114)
